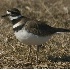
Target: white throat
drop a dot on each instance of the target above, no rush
(16, 17)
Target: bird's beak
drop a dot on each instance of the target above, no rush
(5, 15)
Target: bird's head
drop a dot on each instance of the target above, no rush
(12, 13)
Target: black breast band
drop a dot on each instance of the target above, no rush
(18, 28)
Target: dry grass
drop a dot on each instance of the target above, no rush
(13, 54)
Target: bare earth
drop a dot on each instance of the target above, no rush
(53, 54)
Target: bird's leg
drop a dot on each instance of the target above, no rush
(37, 53)
(29, 53)
(50, 48)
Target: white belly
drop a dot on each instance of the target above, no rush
(29, 38)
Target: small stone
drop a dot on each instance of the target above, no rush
(63, 64)
(6, 40)
(59, 63)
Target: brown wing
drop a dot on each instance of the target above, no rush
(39, 28)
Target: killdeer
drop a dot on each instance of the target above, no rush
(29, 31)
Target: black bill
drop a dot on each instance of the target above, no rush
(5, 15)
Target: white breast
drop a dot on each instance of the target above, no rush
(29, 38)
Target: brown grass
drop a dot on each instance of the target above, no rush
(55, 53)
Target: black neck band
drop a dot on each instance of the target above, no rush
(14, 21)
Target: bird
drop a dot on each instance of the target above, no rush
(30, 31)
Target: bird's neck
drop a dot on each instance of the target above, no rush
(16, 19)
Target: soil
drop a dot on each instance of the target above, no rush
(54, 54)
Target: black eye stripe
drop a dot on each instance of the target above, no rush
(14, 12)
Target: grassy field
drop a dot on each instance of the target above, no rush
(52, 55)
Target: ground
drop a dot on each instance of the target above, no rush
(53, 54)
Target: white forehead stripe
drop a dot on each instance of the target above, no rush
(8, 12)
(17, 24)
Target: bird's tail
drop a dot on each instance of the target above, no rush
(58, 30)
